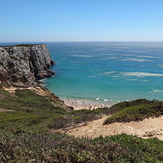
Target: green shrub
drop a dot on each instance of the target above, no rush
(39, 113)
(4, 92)
(136, 111)
(24, 135)
(60, 148)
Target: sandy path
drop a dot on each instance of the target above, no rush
(10, 89)
(146, 128)
(6, 110)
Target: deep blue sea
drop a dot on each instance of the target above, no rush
(114, 71)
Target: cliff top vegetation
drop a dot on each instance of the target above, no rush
(22, 45)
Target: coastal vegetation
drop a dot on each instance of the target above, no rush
(135, 111)
(31, 111)
(22, 45)
(26, 119)
(60, 148)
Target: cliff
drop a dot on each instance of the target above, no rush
(24, 65)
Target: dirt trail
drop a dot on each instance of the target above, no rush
(151, 127)
(10, 89)
(5, 110)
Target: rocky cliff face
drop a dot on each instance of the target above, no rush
(24, 65)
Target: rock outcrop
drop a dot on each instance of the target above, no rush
(24, 65)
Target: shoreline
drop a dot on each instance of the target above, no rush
(79, 104)
(76, 103)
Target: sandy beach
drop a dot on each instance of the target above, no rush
(147, 128)
(79, 104)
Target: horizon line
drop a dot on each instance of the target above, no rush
(68, 41)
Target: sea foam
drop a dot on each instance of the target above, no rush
(109, 72)
(141, 74)
(157, 90)
(137, 60)
(83, 56)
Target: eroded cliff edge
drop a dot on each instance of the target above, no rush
(24, 65)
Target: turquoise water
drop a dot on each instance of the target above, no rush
(113, 71)
(110, 70)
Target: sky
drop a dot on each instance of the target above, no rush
(81, 20)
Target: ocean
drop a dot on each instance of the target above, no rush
(107, 71)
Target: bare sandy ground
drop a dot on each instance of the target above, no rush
(6, 110)
(151, 127)
(10, 89)
(38, 90)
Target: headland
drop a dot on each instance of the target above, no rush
(33, 120)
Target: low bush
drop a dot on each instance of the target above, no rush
(24, 135)
(32, 111)
(58, 148)
(136, 111)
